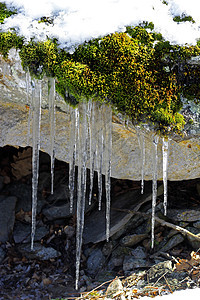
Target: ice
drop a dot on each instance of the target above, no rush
(99, 157)
(165, 167)
(74, 123)
(141, 142)
(36, 96)
(51, 101)
(107, 162)
(93, 145)
(29, 102)
(82, 159)
(154, 185)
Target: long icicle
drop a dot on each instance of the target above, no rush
(36, 95)
(82, 158)
(51, 101)
(72, 151)
(29, 102)
(107, 159)
(154, 186)
(100, 154)
(93, 148)
(165, 147)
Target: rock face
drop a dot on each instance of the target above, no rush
(184, 159)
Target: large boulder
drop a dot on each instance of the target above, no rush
(184, 158)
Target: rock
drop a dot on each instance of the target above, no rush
(131, 263)
(160, 269)
(22, 233)
(39, 252)
(186, 215)
(95, 261)
(1, 182)
(7, 216)
(2, 254)
(138, 252)
(57, 211)
(115, 289)
(197, 224)
(94, 229)
(172, 242)
(192, 241)
(132, 240)
(117, 257)
(184, 160)
(23, 192)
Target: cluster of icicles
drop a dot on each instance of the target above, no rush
(90, 145)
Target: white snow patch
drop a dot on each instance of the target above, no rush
(78, 21)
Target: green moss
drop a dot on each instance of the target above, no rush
(183, 18)
(138, 72)
(4, 12)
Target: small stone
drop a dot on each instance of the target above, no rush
(131, 240)
(115, 288)
(172, 242)
(46, 281)
(197, 224)
(95, 261)
(22, 232)
(131, 263)
(69, 231)
(7, 216)
(138, 252)
(2, 254)
(39, 252)
(186, 215)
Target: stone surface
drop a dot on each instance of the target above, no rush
(22, 233)
(39, 252)
(95, 261)
(132, 240)
(7, 216)
(131, 263)
(185, 215)
(184, 159)
(2, 254)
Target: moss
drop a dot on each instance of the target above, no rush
(141, 78)
(4, 12)
(183, 18)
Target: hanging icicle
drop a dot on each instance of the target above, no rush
(51, 101)
(165, 147)
(74, 114)
(82, 159)
(154, 186)
(99, 156)
(107, 162)
(29, 102)
(36, 96)
(141, 142)
(93, 147)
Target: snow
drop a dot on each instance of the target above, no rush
(179, 295)
(76, 21)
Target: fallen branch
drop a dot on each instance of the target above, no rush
(163, 222)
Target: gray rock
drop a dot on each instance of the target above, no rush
(138, 252)
(197, 224)
(186, 215)
(192, 241)
(131, 263)
(132, 240)
(7, 216)
(23, 192)
(126, 154)
(22, 233)
(172, 242)
(95, 261)
(57, 211)
(2, 254)
(160, 269)
(117, 256)
(39, 252)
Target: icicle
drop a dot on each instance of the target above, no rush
(165, 167)
(29, 102)
(154, 186)
(93, 147)
(72, 152)
(51, 101)
(143, 163)
(107, 160)
(82, 158)
(100, 154)
(36, 95)
(141, 143)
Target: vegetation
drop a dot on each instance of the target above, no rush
(137, 71)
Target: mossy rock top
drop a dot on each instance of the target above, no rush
(139, 73)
